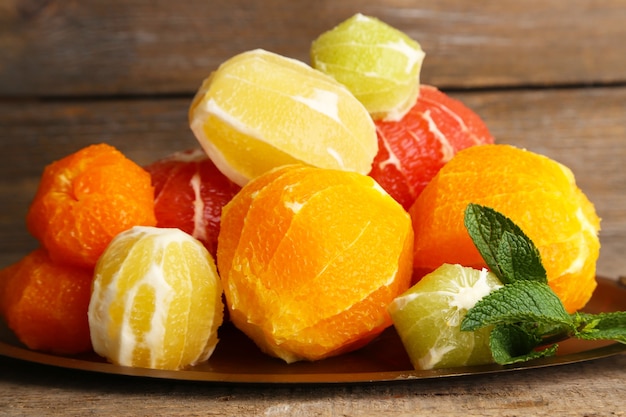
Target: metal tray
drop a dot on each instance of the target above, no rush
(237, 360)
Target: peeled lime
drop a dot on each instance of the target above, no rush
(379, 64)
(428, 318)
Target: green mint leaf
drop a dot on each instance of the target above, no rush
(525, 313)
(506, 249)
(605, 326)
(511, 343)
(518, 302)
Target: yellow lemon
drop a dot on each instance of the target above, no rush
(260, 110)
(156, 300)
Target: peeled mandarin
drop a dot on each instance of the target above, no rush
(537, 193)
(378, 63)
(85, 199)
(156, 300)
(45, 303)
(310, 258)
(428, 318)
(260, 110)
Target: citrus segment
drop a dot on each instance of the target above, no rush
(379, 64)
(538, 194)
(87, 198)
(156, 300)
(310, 258)
(412, 150)
(260, 110)
(45, 304)
(189, 193)
(428, 318)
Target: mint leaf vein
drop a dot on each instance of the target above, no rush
(520, 301)
(506, 249)
(525, 313)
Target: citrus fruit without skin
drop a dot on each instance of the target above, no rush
(87, 198)
(413, 149)
(260, 110)
(189, 193)
(156, 300)
(539, 194)
(428, 318)
(310, 258)
(378, 63)
(45, 303)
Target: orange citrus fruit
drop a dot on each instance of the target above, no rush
(189, 193)
(260, 110)
(45, 304)
(413, 149)
(539, 194)
(87, 198)
(157, 300)
(310, 258)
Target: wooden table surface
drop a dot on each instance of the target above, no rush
(548, 75)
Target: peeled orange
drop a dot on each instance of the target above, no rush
(539, 194)
(310, 258)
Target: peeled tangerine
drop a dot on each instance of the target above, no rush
(45, 303)
(379, 64)
(156, 300)
(260, 110)
(310, 258)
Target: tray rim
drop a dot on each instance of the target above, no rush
(14, 351)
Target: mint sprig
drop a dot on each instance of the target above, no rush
(525, 312)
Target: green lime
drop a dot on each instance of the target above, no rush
(428, 318)
(379, 64)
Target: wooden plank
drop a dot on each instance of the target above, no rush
(590, 389)
(583, 128)
(118, 47)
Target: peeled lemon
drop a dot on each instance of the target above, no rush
(260, 110)
(156, 300)
(428, 318)
(379, 64)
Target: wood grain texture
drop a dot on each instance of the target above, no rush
(571, 390)
(582, 128)
(547, 75)
(113, 47)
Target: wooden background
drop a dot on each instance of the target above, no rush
(548, 75)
